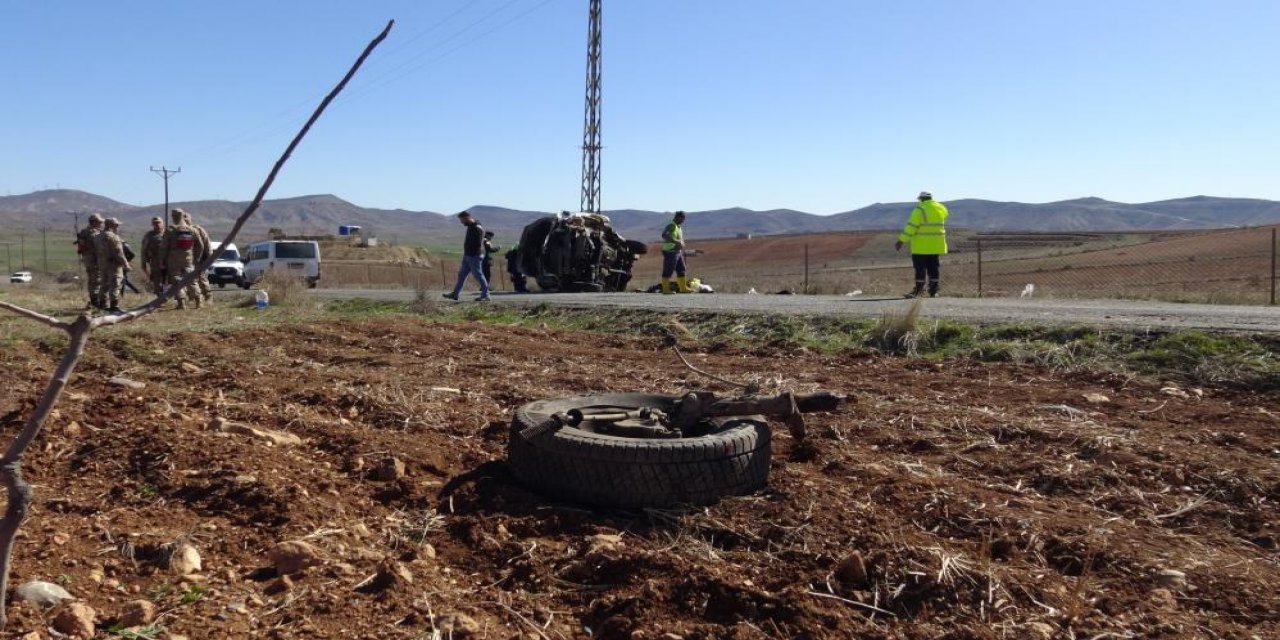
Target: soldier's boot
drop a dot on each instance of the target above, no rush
(182, 304)
(682, 285)
(666, 285)
(933, 288)
(919, 289)
(93, 301)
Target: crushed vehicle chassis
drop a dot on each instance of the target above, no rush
(577, 252)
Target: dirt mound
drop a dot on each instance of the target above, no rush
(957, 499)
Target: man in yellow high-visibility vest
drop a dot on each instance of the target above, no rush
(926, 234)
(673, 255)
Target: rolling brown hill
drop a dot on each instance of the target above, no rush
(324, 213)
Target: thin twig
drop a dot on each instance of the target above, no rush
(1198, 502)
(1162, 404)
(852, 602)
(709, 375)
(536, 628)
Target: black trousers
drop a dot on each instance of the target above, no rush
(926, 265)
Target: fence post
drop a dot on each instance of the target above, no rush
(979, 267)
(443, 284)
(1273, 265)
(806, 269)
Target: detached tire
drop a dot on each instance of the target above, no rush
(597, 469)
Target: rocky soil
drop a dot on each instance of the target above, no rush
(348, 480)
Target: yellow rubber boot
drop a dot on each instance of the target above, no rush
(666, 285)
(682, 285)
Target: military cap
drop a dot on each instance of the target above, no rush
(113, 222)
(93, 217)
(157, 219)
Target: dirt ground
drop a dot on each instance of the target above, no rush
(946, 500)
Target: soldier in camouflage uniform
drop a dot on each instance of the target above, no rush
(111, 265)
(152, 265)
(179, 250)
(87, 248)
(206, 291)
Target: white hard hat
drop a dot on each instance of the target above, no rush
(924, 195)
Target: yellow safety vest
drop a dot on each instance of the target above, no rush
(926, 231)
(676, 234)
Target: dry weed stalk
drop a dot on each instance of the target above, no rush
(412, 528)
(80, 329)
(898, 331)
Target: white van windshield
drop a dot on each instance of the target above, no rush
(295, 251)
(230, 254)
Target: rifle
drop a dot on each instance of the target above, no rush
(128, 284)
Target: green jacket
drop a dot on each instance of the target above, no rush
(926, 231)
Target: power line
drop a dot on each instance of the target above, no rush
(166, 172)
(389, 76)
(385, 80)
(272, 124)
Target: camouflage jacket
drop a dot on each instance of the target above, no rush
(181, 246)
(110, 251)
(204, 237)
(151, 249)
(87, 243)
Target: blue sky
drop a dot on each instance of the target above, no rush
(821, 106)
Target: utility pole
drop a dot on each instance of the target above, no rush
(591, 120)
(8, 256)
(44, 247)
(165, 172)
(22, 249)
(76, 228)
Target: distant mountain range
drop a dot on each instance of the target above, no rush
(324, 213)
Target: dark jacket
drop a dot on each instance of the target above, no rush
(473, 245)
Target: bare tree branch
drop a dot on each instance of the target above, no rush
(19, 492)
(38, 317)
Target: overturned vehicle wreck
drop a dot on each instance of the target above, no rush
(575, 252)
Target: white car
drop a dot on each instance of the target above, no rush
(20, 277)
(228, 268)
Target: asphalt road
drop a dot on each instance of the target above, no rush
(1114, 313)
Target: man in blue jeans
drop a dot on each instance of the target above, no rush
(472, 258)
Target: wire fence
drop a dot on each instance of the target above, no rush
(1234, 266)
(376, 275)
